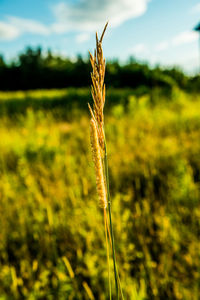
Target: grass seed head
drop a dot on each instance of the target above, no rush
(96, 153)
(98, 89)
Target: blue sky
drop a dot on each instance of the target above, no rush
(156, 31)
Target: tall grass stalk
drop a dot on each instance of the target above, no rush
(99, 150)
(110, 219)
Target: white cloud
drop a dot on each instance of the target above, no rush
(27, 25)
(82, 37)
(89, 15)
(14, 27)
(139, 49)
(162, 46)
(182, 38)
(185, 38)
(196, 9)
(82, 16)
(8, 32)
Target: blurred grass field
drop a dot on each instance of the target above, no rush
(52, 243)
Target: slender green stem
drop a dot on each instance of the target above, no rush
(110, 218)
(108, 253)
(120, 287)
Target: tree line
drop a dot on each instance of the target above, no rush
(34, 70)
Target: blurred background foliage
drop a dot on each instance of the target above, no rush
(52, 243)
(34, 69)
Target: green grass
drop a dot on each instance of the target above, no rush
(52, 243)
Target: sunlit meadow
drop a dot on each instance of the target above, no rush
(52, 243)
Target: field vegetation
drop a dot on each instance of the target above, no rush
(52, 243)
